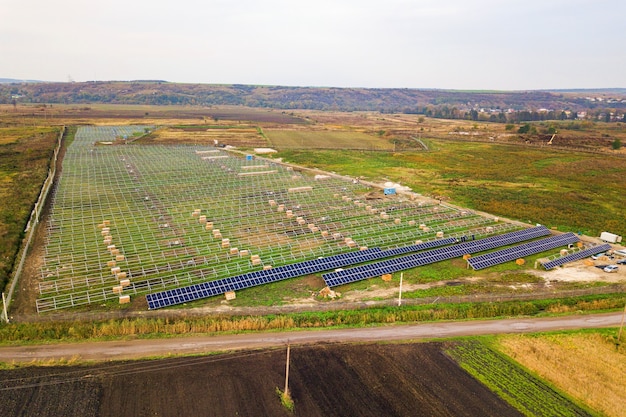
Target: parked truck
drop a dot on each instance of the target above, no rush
(610, 237)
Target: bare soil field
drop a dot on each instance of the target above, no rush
(325, 380)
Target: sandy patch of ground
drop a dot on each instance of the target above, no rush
(579, 272)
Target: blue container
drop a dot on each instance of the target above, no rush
(249, 157)
(390, 191)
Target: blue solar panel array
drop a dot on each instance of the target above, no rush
(576, 256)
(358, 273)
(251, 279)
(209, 289)
(526, 249)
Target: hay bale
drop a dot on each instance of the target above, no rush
(208, 226)
(111, 264)
(121, 275)
(266, 267)
(489, 229)
(418, 242)
(520, 261)
(397, 221)
(256, 262)
(117, 289)
(439, 234)
(234, 251)
(124, 299)
(125, 282)
(110, 247)
(272, 203)
(115, 252)
(119, 257)
(411, 222)
(363, 248)
(230, 295)
(386, 277)
(115, 270)
(325, 233)
(106, 222)
(202, 219)
(315, 229)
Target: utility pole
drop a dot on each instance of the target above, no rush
(286, 392)
(4, 308)
(400, 292)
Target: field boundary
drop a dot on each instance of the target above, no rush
(31, 226)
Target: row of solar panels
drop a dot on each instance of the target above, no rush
(519, 251)
(239, 282)
(575, 256)
(359, 273)
(217, 287)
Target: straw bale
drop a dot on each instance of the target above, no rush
(117, 289)
(351, 244)
(119, 257)
(489, 229)
(110, 247)
(107, 240)
(255, 256)
(386, 277)
(336, 235)
(272, 203)
(324, 233)
(310, 225)
(100, 225)
(111, 264)
(225, 244)
(125, 282)
(397, 221)
(256, 262)
(216, 231)
(266, 267)
(106, 222)
(495, 219)
(315, 229)
(368, 208)
(426, 229)
(230, 295)
(336, 195)
(439, 234)
(301, 222)
(115, 252)
(121, 275)
(124, 299)
(208, 226)
(385, 216)
(234, 251)
(467, 256)
(363, 248)
(202, 219)
(281, 207)
(422, 226)
(115, 270)
(520, 261)
(244, 252)
(411, 222)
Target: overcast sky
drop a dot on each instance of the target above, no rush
(451, 44)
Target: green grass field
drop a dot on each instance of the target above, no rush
(325, 139)
(578, 192)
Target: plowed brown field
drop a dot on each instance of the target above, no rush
(325, 380)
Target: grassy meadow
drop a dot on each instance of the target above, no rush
(326, 139)
(25, 154)
(580, 192)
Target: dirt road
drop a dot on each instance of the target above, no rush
(132, 349)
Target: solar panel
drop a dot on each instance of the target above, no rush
(520, 251)
(251, 279)
(575, 256)
(358, 273)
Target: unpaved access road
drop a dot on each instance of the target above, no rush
(138, 348)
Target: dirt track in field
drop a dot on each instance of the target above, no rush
(325, 380)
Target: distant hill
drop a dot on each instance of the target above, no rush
(397, 100)
(14, 81)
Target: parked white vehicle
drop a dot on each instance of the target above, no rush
(611, 268)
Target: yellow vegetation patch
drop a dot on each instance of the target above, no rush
(586, 366)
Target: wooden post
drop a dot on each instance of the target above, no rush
(286, 392)
(400, 292)
(4, 308)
